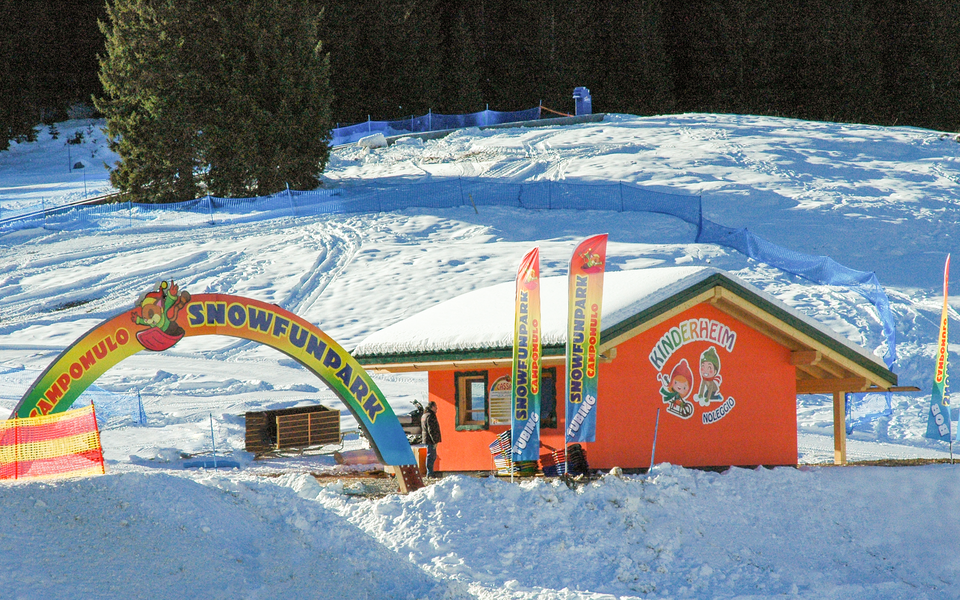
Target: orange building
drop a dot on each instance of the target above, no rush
(719, 360)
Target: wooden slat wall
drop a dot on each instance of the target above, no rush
(310, 429)
(256, 435)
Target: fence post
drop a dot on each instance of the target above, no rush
(700, 219)
(549, 194)
(293, 208)
(460, 183)
(210, 208)
(213, 442)
(430, 120)
(621, 194)
(142, 417)
(16, 448)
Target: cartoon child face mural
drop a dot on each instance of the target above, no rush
(710, 378)
(158, 310)
(675, 389)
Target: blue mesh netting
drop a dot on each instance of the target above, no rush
(863, 408)
(429, 122)
(450, 193)
(819, 269)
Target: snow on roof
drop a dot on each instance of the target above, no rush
(483, 319)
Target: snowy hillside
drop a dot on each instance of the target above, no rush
(872, 198)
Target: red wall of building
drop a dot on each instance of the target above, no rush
(470, 450)
(754, 423)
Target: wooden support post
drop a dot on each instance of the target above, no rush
(839, 429)
(408, 477)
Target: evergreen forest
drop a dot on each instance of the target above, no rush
(887, 62)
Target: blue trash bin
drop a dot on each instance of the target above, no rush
(581, 96)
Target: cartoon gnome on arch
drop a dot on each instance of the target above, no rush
(675, 389)
(158, 310)
(710, 378)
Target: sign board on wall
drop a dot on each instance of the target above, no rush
(689, 359)
(501, 395)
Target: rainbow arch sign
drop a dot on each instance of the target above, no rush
(165, 315)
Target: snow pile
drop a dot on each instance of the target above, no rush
(160, 535)
(863, 533)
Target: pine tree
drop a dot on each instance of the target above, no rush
(461, 88)
(19, 114)
(635, 70)
(228, 98)
(419, 77)
(347, 35)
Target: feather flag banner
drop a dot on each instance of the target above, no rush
(583, 337)
(938, 419)
(525, 413)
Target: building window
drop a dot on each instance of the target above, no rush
(480, 405)
(471, 400)
(548, 398)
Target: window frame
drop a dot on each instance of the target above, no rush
(461, 381)
(555, 423)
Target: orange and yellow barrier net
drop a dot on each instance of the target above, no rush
(64, 444)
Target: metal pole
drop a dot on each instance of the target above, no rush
(142, 417)
(214, 442)
(653, 452)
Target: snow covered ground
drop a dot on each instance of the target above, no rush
(872, 198)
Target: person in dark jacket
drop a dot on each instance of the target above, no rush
(430, 426)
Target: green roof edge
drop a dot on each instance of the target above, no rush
(453, 355)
